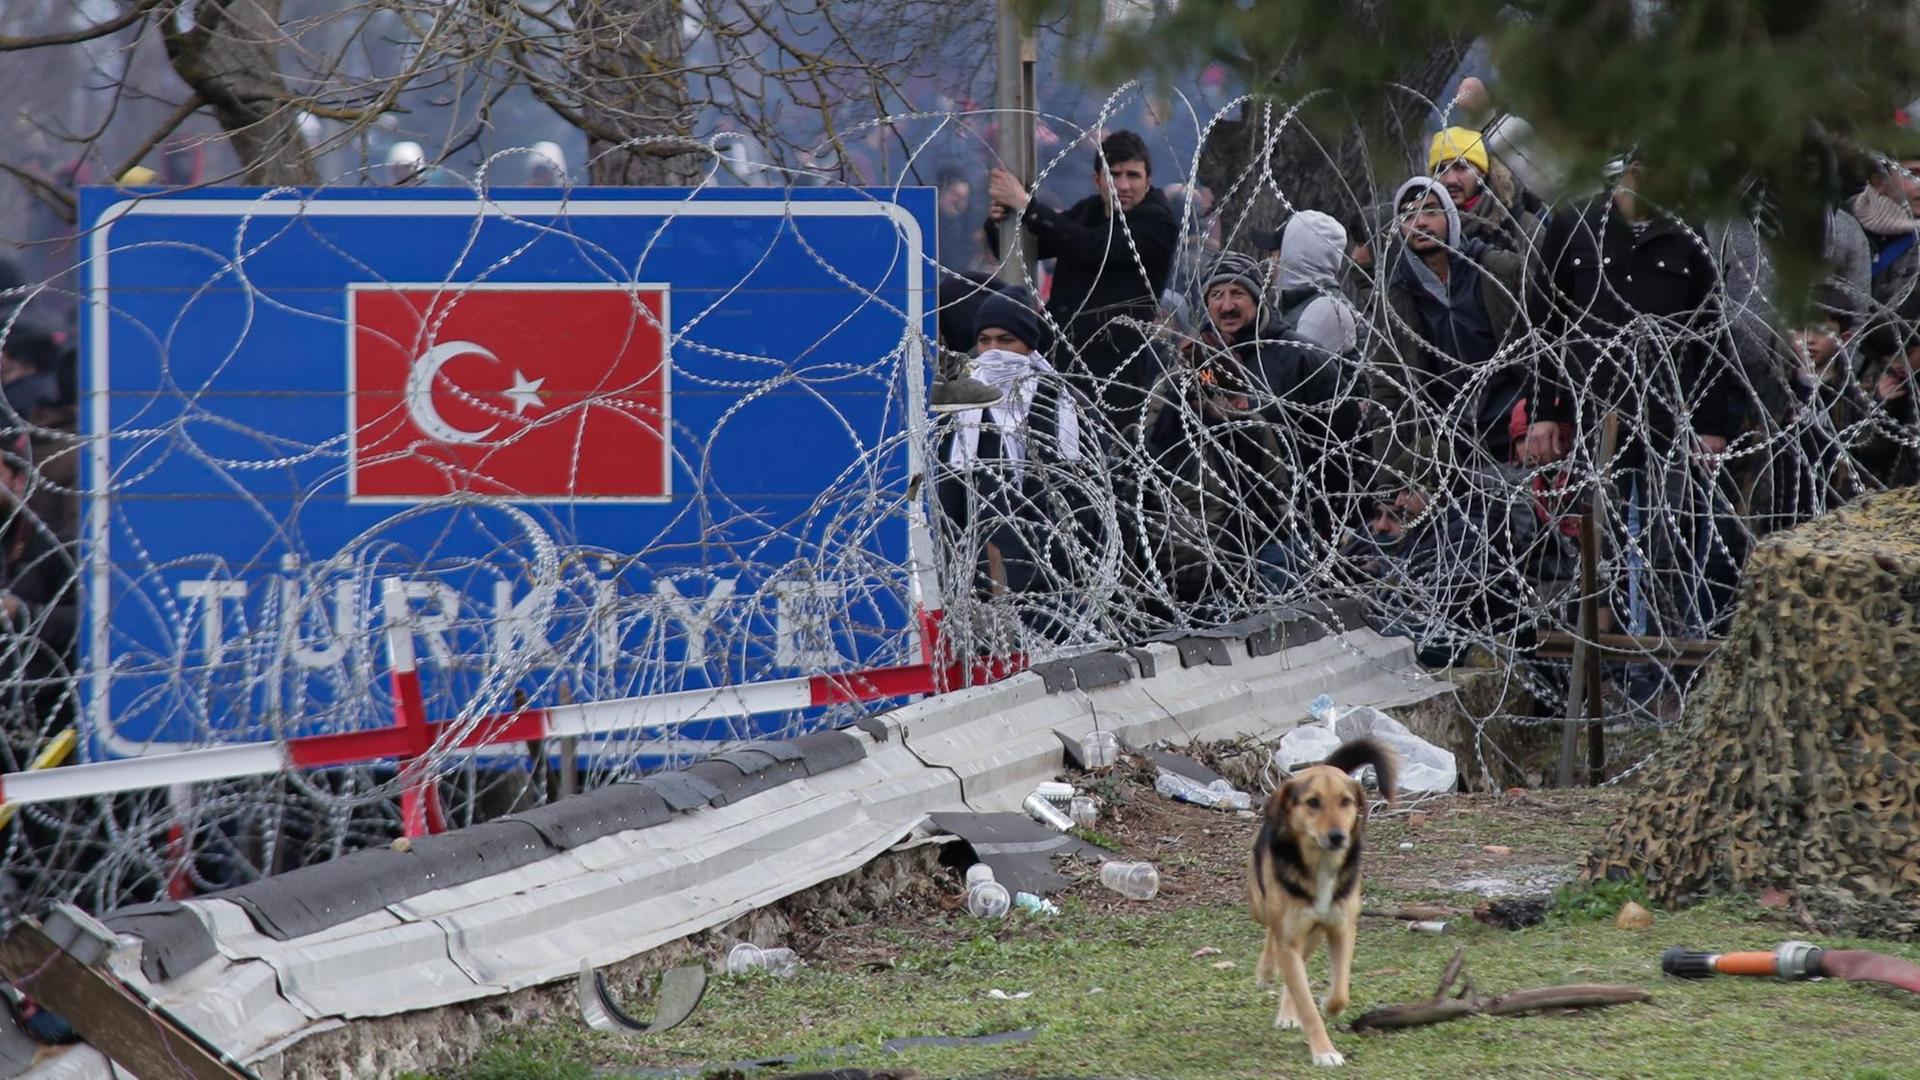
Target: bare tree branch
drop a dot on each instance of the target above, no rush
(92, 33)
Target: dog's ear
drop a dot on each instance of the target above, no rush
(1280, 803)
(1359, 803)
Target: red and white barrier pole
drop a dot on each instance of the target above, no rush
(412, 737)
(180, 842)
(420, 798)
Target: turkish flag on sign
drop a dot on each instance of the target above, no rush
(522, 392)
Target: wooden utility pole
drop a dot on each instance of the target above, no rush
(1585, 686)
(1015, 102)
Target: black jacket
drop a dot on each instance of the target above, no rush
(1098, 259)
(1233, 465)
(1098, 292)
(1597, 277)
(1421, 381)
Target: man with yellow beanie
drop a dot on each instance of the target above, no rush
(1458, 158)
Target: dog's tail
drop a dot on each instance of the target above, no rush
(1358, 752)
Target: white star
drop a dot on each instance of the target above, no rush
(525, 393)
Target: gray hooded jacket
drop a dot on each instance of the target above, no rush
(1420, 380)
(1313, 251)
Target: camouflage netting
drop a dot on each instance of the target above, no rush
(1798, 765)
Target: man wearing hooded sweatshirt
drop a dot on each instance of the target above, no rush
(1311, 305)
(1449, 385)
(1113, 253)
(1312, 253)
(1229, 430)
(1453, 302)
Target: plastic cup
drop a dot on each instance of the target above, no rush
(1055, 792)
(1099, 749)
(978, 873)
(988, 900)
(1084, 811)
(743, 958)
(1133, 880)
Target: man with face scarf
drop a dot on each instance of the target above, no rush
(1010, 481)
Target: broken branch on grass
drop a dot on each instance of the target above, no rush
(1413, 912)
(1440, 1008)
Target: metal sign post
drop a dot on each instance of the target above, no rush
(1016, 101)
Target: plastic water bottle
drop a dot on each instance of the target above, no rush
(1175, 786)
(988, 900)
(1232, 798)
(978, 873)
(1084, 811)
(746, 957)
(1133, 880)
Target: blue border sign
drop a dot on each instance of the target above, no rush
(615, 442)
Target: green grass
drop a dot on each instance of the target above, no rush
(1599, 900)
(1119, 995)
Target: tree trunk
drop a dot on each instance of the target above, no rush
(633, 93)
(229, 57)
(1318, 166)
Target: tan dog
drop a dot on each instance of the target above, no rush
(1304, 883)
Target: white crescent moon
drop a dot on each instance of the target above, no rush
(420, 392)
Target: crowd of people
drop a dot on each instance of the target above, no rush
(1415, 401)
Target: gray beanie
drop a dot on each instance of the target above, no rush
(1236, 269)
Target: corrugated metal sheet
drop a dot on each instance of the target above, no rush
(608, 898)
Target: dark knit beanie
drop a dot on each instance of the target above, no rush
(1004, 312)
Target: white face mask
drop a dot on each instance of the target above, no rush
(995, 357)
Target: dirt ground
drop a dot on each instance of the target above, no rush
(1436, 849)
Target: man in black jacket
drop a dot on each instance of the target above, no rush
(1113, 252)
(1629, 299)
(1230, 432)
(1448, 383)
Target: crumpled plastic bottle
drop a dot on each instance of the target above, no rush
(747, 957)
(1219, 795)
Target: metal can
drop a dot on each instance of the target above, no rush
(1046, 813)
